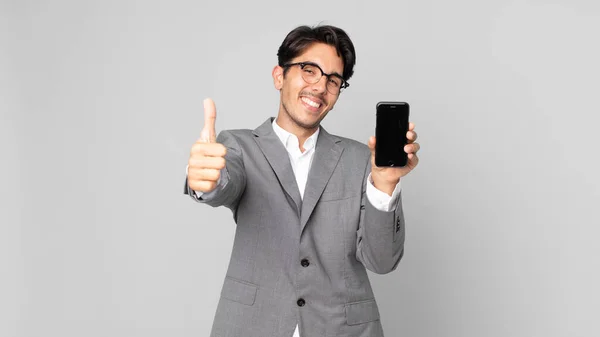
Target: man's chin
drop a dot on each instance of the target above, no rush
(309, 123)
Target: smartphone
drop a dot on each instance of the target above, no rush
(390, 130)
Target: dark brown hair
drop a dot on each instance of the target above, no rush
(299, 39)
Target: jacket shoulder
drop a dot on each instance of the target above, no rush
(240, 135)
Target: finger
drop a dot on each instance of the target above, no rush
(208, 134)
(413, 160)
(203, 174)
(412, 148)
(371, 144)
(411, 126)
(205, 162)
(202, 186)
(411, 136)
(209, 149)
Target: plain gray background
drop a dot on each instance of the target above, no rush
(101, 101)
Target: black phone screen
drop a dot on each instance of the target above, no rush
(390, 131)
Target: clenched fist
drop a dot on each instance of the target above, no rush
(207, 157)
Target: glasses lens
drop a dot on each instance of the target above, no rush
(334, 84)
(311, 74)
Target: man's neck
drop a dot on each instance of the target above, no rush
(296, 130)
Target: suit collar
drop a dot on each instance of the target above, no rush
(278, 159)
(327, 155)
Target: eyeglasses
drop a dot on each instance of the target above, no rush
(312, 73)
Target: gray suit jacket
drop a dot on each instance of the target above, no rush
(300, 261)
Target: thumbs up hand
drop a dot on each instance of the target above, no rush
(207, 157)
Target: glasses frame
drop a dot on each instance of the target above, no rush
(344, 85)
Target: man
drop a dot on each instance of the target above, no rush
(313, 212)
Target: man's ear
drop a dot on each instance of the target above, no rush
(278, 77)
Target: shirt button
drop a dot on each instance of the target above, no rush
(304, 263)
(301, 302)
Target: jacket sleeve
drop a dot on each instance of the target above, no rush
(231, 193)
(380, 236)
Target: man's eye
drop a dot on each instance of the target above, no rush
(308, 70)
(334, 81)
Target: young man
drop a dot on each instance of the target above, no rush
(313, 212)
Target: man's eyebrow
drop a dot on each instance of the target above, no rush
(318, 65)
(335, 73)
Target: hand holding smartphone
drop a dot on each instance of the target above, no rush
(390, 133)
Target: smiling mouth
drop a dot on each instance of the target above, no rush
(311, 103)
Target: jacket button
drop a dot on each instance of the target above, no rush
(304, 263)
(301, 302)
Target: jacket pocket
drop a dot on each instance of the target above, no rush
(239, 291)
(361, 312)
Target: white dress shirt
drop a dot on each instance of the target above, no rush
(301, 162)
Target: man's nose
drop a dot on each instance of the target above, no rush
(321, 85)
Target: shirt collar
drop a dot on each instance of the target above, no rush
(288, 139)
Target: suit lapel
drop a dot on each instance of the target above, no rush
(327, 154)
(278, 158)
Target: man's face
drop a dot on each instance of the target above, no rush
(303, 104)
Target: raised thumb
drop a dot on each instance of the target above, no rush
(371, 145)
(208, 134)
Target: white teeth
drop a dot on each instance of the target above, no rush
(311, 103)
